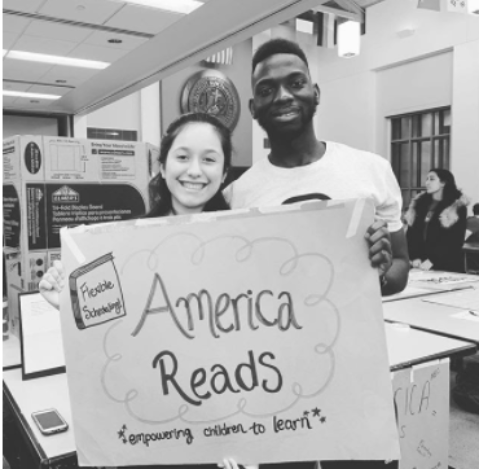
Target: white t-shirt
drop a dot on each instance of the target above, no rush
(342, 173)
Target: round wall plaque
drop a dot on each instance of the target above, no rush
(214, 93)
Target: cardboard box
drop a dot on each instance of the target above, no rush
(51, 182)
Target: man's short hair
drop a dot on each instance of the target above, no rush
(278, 46)
(475, 209)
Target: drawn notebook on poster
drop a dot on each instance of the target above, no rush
(95, 293)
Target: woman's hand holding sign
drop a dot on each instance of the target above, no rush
(52, 284)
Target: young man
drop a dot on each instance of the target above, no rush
(300, 167)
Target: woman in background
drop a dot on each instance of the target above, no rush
(437, 224)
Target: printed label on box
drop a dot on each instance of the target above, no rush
(33, 158)
(11, 164)
(11, 216)
(77, 204)
(35, 197)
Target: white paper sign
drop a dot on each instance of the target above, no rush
(257, 336)
(421, 396)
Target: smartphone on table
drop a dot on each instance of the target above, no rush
(49, 421)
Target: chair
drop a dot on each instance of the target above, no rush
(471, 258)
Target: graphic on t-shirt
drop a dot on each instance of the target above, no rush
(304, 197)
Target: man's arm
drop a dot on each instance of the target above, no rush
(388, 252)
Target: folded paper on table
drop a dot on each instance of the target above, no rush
(440, 281)
(251, 335)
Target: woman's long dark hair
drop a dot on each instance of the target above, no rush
(160, 195)
(450, 192)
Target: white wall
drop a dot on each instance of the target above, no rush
(465, 118)
(29, 125)
(139, 111)
(435, 66)
(413, 86)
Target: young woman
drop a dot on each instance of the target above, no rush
(437, 224)
(195, 154)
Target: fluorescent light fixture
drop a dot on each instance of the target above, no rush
(178, 6)
(24, 94)
(304, 26)
(56, 59)
(349, 39)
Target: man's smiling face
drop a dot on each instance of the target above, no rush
(284, 99)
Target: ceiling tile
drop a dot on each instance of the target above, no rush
(104, 54)
(100, 38)
(73, 76)
(43, 45)
(12, 86)
(27, 104)
(23, 70)
(29, 6)
(14, 24)
(8, 100)
(86, 11)
(9, 39)
(49, 89)
(147, 20)
(57, 31)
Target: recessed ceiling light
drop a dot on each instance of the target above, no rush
(56, 59)
(80, 7)
(24, 94)
(115, 41)
(178, 6)
(34, 101)
(60, 81)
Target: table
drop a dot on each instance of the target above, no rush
(408, 347)
(25, 397)
(432, 317)
(11, 353)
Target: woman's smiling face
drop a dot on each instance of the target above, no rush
(194, 167)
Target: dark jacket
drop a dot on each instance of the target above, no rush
(442, 243)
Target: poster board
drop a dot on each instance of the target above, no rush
(40, 337)
(421, 396)
(247, 334)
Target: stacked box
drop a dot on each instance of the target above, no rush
(51, 182)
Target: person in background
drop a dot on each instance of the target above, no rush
(436, 222)
(472, 226)
(300, 167)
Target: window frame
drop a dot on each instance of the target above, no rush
(412, 141)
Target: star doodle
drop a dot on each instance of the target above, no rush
(121, 433)
(316, 412)
(322, 419)
(305, 413)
